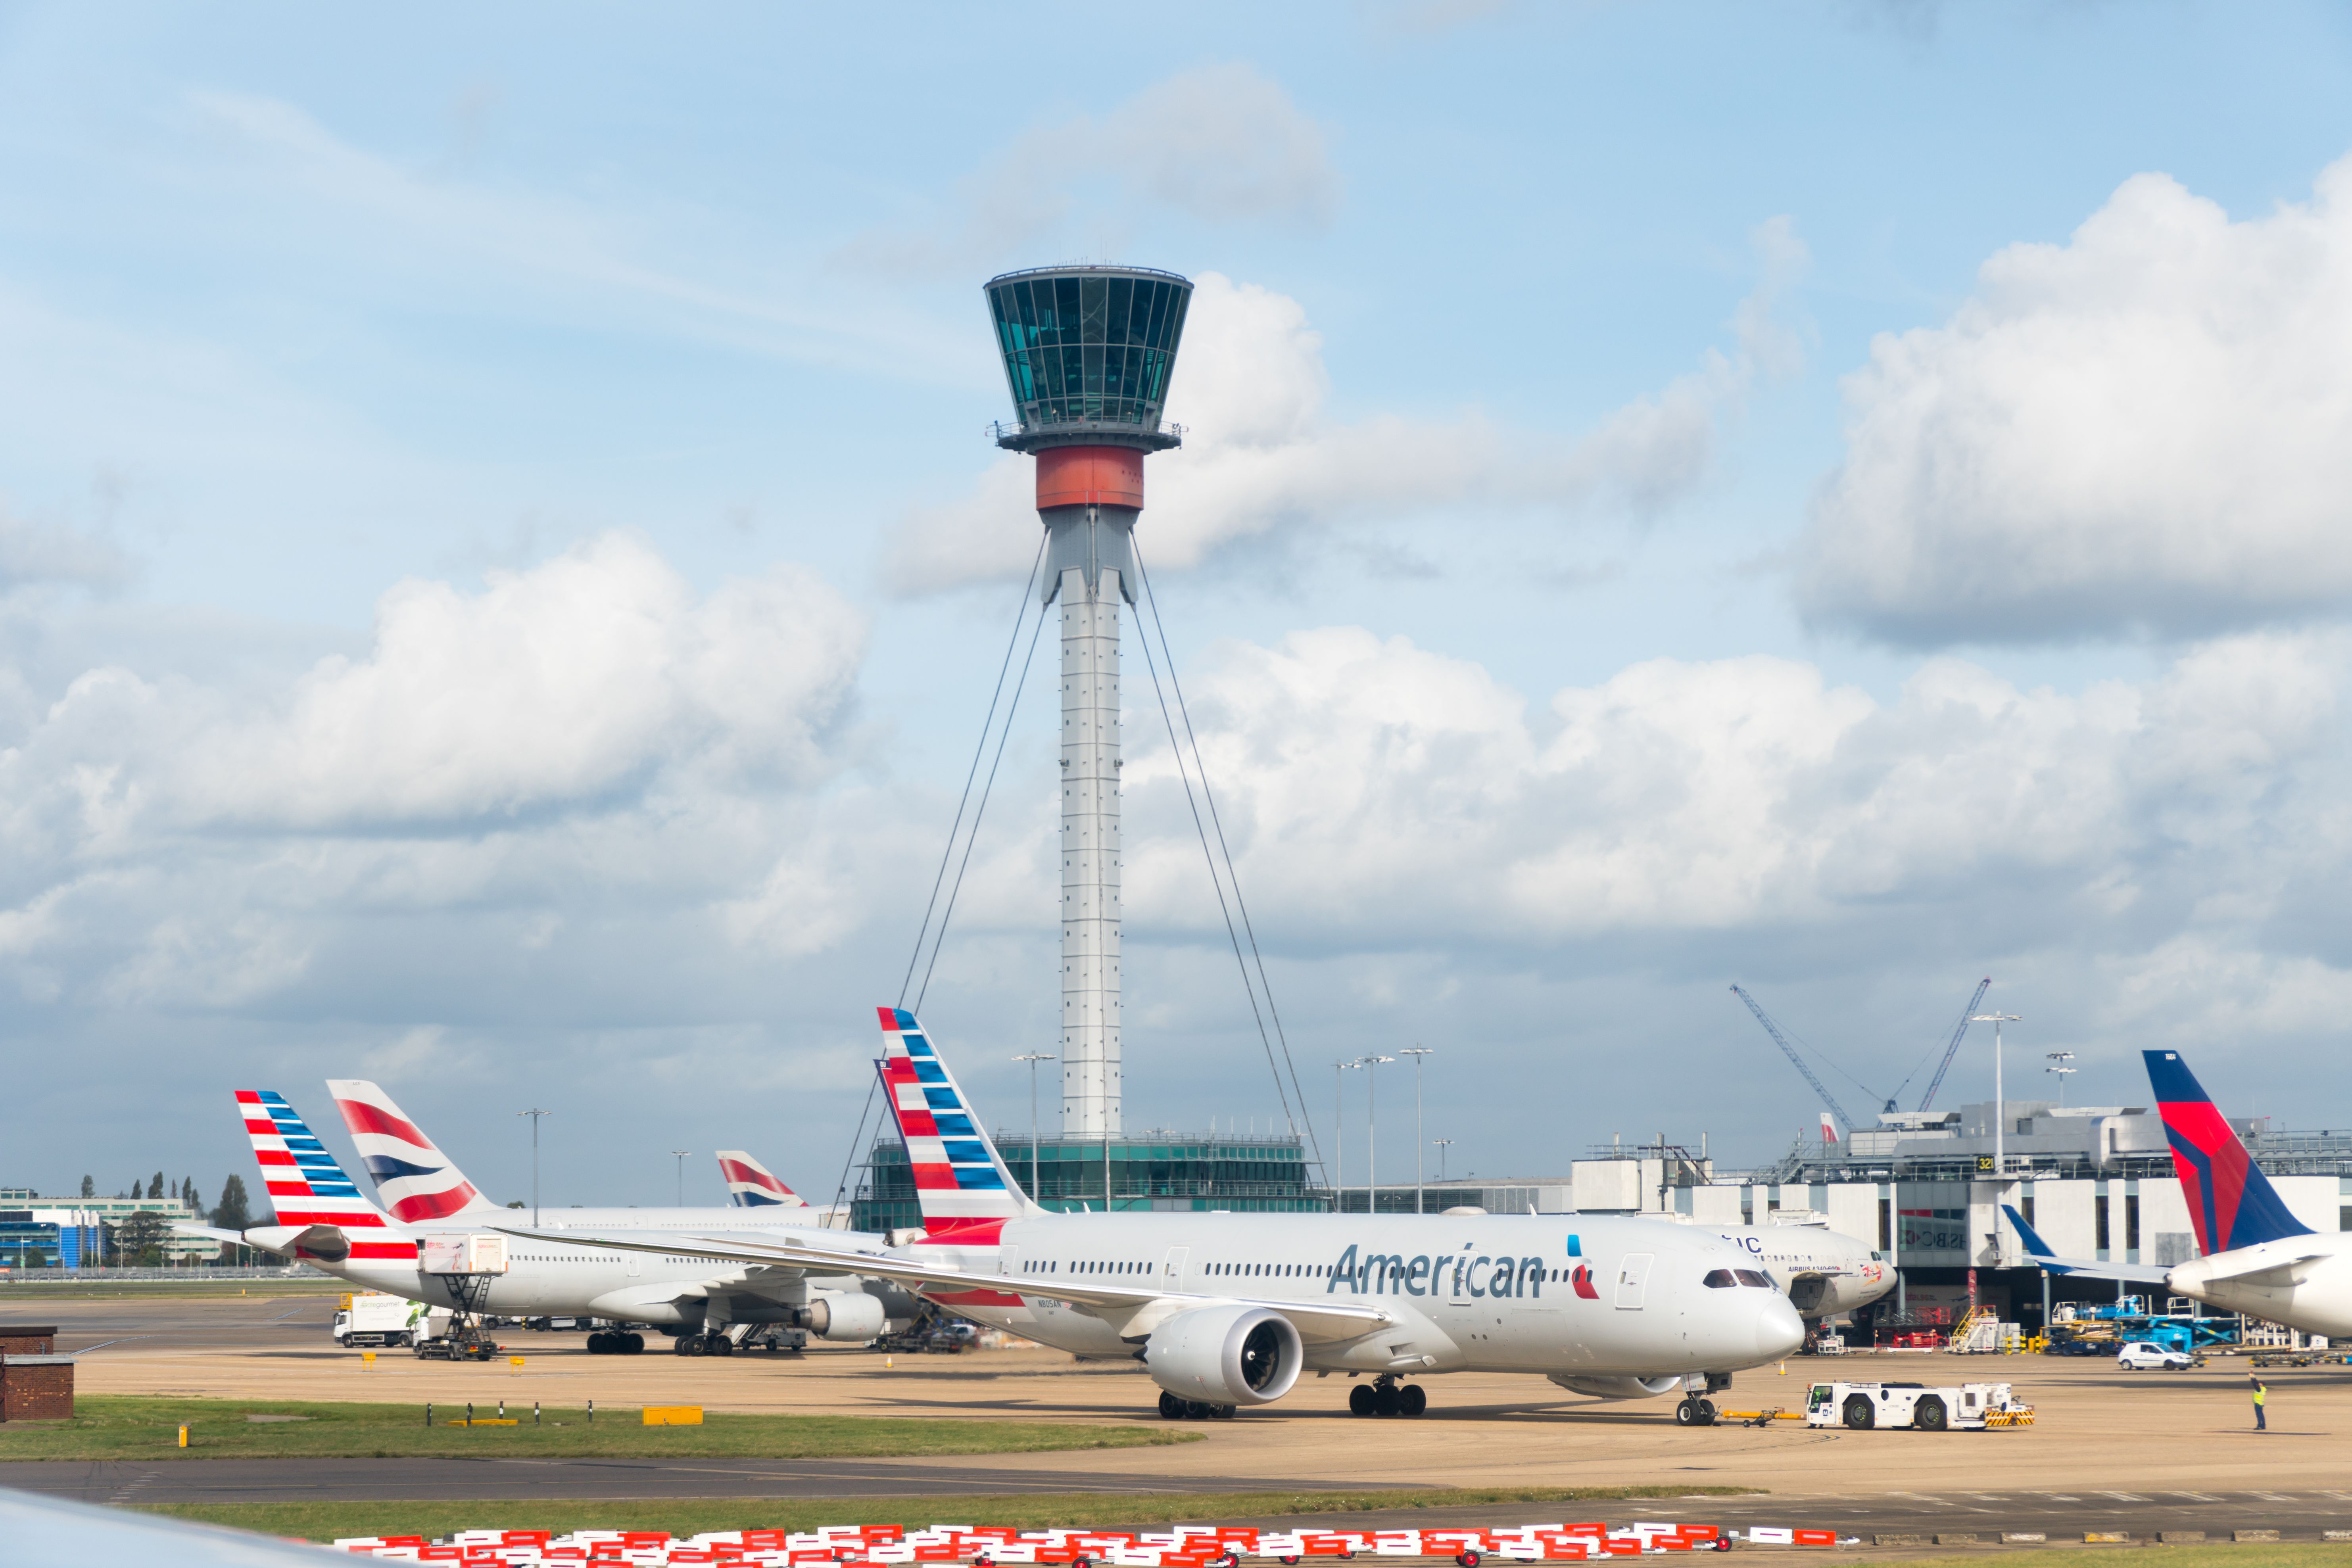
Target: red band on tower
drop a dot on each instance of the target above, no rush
(1089, 475)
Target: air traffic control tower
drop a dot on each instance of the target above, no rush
(1088, 354)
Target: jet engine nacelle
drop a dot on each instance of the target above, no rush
(1620, 1387)
(856, 1318)
(1225, 1356)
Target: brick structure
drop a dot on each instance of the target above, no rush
(28, 1338)
(36, 1388)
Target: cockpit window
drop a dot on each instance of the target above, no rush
(1719, 1279)
(1750, 1276)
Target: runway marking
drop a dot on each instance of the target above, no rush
(2194, 1497)
(103, 1344)
(2124, 1497)
(2273, 1496)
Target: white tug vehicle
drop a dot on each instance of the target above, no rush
(1861, 1405)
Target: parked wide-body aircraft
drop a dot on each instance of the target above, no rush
(419, 1183)
(2258, 1259)
(1230, 1310)
(323, 1221)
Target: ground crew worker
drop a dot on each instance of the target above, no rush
(2262, 1392)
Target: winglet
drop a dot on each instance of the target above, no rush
(2230, 1202)
(965, 1190)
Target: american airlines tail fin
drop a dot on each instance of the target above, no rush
(2230, 1202)
(960, 1181)
(308, 1188)
(415, 1180)
(750, 1184)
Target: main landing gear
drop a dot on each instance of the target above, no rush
(703, 1344)
(1174, 1409)
(1694, 1411)
(607, 1342)
(1384, 1396)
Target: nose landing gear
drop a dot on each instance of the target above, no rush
(1384, 1396)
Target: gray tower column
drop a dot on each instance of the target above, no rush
(1087, 352)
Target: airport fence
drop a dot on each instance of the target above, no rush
(123, 1276)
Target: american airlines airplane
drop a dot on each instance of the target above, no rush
(322, 1220)
(1230, 1310)
(2259, 1259)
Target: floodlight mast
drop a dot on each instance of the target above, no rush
(1087, 352)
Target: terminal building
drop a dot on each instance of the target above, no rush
(70, 1233)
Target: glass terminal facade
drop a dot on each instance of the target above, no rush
(1088, 346)
(1150, 1171)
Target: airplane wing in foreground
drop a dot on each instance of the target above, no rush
(2038, 1250)
(1143, 1308)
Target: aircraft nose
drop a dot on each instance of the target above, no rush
(1779, 1330)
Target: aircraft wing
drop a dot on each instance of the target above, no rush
(1320, 1321)
(235, 1237)
(2038, 1250)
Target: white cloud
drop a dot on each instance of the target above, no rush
(1382, 794)
(1260, 455)
(1221, 142)
(2148, 429)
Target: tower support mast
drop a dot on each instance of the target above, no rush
(1087, 352)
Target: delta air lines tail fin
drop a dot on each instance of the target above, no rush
(750, 1184)
(961, 1182)
(414, 1179)
(308, 1188)
(2230, 1202)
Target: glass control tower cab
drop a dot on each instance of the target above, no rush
(1087, 354)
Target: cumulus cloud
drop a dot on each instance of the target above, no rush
(32, 553)
(1378, 792)
(1221, 142)
(2145, 430)
(1260, 454)
(592, 717)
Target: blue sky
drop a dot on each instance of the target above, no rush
(499, 568)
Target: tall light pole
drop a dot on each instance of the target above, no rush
(1419, 1152)
(2062, 1069)
(1441, 1144)
(681, 1154)
(1999, 1106)
(1033, 1058)
(534, 1116)
(1339, 1136)
(1371, 1066)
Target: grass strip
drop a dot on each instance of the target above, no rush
(692, 1516)
(118, 1426)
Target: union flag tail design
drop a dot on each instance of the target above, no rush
(2230, 1202)
(960, 1181)
(306, 1184)
(750, 1184)
(414, 1179)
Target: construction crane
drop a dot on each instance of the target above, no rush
(1790, 1052)
(1953, 1049)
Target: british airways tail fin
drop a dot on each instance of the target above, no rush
(750, 1184)
(961, 1182)
(2230, 1202)
(415, 1180)
(306, 1187)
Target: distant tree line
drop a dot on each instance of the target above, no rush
(137, 1240)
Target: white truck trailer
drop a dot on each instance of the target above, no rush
(372, 1317)
(1926, 1407)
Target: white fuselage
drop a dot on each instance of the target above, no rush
(1563, 1296)
(1824, 1272)
(543, 1279)
(2313, 1294)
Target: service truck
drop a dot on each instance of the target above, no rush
(373, 1318)
(1926, 1408)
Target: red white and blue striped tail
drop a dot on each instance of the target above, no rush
(305, 1183)
(751, 1185)
(416, 1181)
(960, 1181)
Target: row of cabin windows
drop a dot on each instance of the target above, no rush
(1719, 1279)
